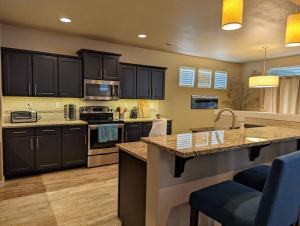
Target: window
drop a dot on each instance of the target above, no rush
(204, 78)
(186, 76)
(285, 71)
(220, 80)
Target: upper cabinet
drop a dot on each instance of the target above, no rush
(128, 81)
(100, 65)
(30, 73)
(45, 75)
(17, 73)
(158, 84)
(70, 77)
(142, 82)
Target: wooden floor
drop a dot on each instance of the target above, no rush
(68, 198)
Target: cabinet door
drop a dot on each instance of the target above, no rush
(17, 73)
(147, 126)
(48, 152)
(74, 151)
(128, 81)
(110, 68)
(70, 77)
(18, 155)
(45, 76)
(158, 84)
(92, 66)
(133, 132)
(143, 83)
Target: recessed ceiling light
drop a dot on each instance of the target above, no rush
(142, 36)
(65, 19)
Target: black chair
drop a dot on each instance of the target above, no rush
(234, 204)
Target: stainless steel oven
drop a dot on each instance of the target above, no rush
(101, 153)
(101, 90)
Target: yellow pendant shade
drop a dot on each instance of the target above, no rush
(292, 37)
(264, 81)
(232, 16)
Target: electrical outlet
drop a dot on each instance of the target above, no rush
(57, 105)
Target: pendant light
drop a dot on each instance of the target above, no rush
(232, 15)
(264, 81)
(292, 35)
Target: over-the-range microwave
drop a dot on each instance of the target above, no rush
(101, 90)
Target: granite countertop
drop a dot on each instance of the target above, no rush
(203, 143)
(137, 149)
(44, 123)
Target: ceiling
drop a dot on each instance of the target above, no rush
(193, 26)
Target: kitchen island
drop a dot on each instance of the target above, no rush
(178, 164)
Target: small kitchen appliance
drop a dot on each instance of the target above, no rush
(23, 116)
(101, 90)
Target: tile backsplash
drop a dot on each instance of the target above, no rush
(52, 108)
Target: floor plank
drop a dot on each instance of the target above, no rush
(76, 197)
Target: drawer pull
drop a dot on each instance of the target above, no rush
(20, 132)
(48, 130)
(75, 129)
(37, 143)
(134, 125)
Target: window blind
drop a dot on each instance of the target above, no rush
(220, 80)
(204, 78)
(186, 76)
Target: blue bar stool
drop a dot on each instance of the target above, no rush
(254, 177)
(234, 204)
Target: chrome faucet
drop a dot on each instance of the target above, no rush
(233, 116)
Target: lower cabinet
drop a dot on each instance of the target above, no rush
(48, 152)
(74, 150)
(18, 155)
(134, 131)
(35, 150)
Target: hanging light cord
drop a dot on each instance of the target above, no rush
(265, 59)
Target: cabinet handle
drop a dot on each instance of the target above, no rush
(31, 143)
(85, 139)
(74, 128)
(20, 132)
(48, 130)
(46, 93)
(29, 89)
(134, 125)
(126, 135)
(35, 89)
(37, 143)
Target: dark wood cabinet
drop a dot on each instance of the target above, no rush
(146, 128)
(158, 84)
(110, 67)
(128, 81)
(45, 75)
(41, 149)
(48, 152)
(92, 66)
(74, 149)
(18, 152)
(70, 77)
(143, 82)
(17, 73)
(99, 65)
(133, 132)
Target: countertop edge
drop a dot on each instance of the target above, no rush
(41, 124)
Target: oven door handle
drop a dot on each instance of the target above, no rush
(96, 126)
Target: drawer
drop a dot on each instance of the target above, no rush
(48, 130)
(134, 125)
(74, 129)
(19, 132)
